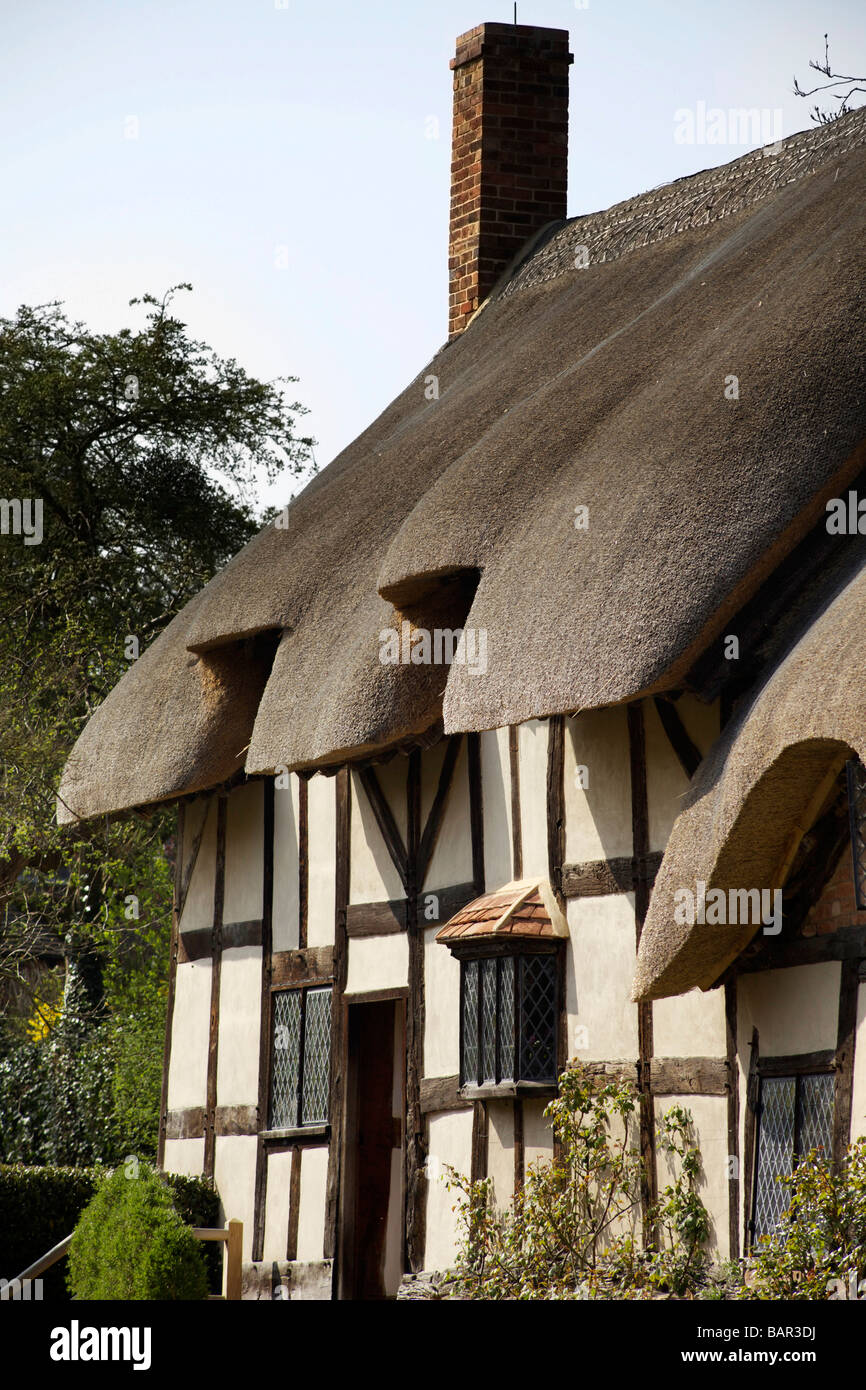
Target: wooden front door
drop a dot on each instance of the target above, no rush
(371, 1203)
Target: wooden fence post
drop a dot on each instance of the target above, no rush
(234, 1249)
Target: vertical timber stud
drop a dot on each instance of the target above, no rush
(733, 1120)
(265, 1023)
(555, 856)
(303, 859)
(338, 1018)
(640, 850)
(216, 964)
(416, 1148)
(476, 811)
(516, 833)
(478, 1169)
(750, 1130)
(844, 1080)
(172, 982)
(294, 1203)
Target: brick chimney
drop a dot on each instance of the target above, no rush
(509, 153)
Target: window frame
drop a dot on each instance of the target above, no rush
(314, 1129)
(481, 949)
(793, 1068)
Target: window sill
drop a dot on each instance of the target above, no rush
(505, 1090)
(308, 1132)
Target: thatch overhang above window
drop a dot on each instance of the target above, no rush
(758, 793)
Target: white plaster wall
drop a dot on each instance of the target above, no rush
(500, 1149)
(597, 818)
(378, 962)
(666, 780)
(537, 1134)
(599, 970)
(496, 801)
(710, 1117)
(450, 1142)
(322, 822)
(239, 1026)
(532, 748)
(245, 841)
(187, 1070)
(794, 1010)
(285, 909)
(311, 1223)
(452, 856)
(858, 1099)
(277, 1206)
(198, 908)
(691, 1025)
(184, 1156)
(235, 1179)
(372, 875)
(442, 1012)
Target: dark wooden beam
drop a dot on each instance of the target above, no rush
(750, 1134)
(689, 755)
(266, 936)
(640, 851)
(216, 959)
(194, 945)
(188, 1123)
(415, 1156)
(241, 934)
(376, 919)
(689, 1076)
(799, 1063)
(516, 830)
(845, 943)
(313, 966)
(601, 877)
(556, 805)
(519, 1147)
(294, 1204)
(172, 986)
(476, 812)
(441, 1093)
(385, 821)
(478, 1161)
(338, 1017)
(303, 860)
(731, 1051)
(236, 1119)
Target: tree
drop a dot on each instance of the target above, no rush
(126, 470)
(822, 115)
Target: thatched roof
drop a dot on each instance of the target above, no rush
(601, 387)
(525, 908)
(759, 791)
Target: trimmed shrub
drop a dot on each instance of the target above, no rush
(131, 1243)
(39, 1206)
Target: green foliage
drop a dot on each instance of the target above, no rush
(40, 1206)
(571, 1232)
(143, 446)
(131, 1243)
(80, 1097)
(822, 1234)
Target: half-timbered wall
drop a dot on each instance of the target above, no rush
(346, 879)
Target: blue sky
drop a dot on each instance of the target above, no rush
(283, 158)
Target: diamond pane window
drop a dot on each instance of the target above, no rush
(300, 1057)
(509, 1011)
(796, 1116)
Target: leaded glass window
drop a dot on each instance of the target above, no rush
(300, 1057)
(796, 1116)
(509, 1010)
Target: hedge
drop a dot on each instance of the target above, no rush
(39, 1206)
